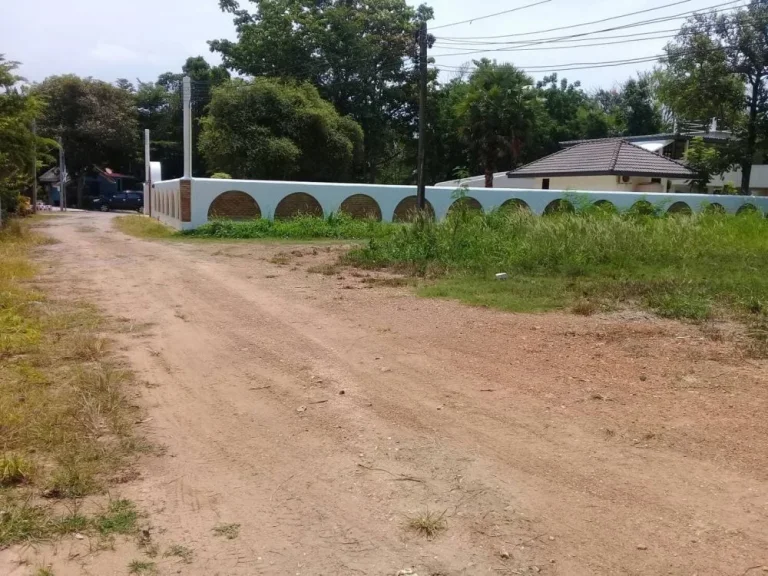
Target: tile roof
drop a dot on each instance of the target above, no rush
(603, 158)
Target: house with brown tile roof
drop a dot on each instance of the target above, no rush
(604, 165)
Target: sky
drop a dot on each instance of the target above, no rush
(109, 39)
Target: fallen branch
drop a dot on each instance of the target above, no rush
(401, 477)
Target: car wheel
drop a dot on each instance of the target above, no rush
(104, 208)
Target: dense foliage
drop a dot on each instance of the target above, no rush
(21, 151)
(272, 130)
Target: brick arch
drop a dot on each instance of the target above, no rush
(605, 206)
(234, 205)
(680, 208)
(643, 208)
(361, 206)
(559, 206)
(298, 203)
(714, 208)
(515, 204)
(467, 203)
(407, 208)
(747, 209)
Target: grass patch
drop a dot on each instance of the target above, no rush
(142, 567)
(228, 531)
(333, 226)
(325, 269)
(186, 554)
(119, 518)
(691, 267)
(66, 426)
(143, 227)
(428, 524)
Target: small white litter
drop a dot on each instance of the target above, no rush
(502, 276)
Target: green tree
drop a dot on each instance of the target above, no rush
(160, 110)
(21, 152)
(355, 52)
(497, 114)
(96, 122)
(718, 66)
(270, 129)
(706, 161)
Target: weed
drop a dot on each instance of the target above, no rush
(228, 531)
(428, 524)
(119, 518)
(143, 227)
(14, 469)
(585, 308)
(324, 269)
(688, 267)
(44, 572)
(302, 227)
(281, 259)
(142, 567)
(60, 399)
(179, 551)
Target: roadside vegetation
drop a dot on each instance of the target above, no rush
(66, 427)
(334, 226)
(691, 267)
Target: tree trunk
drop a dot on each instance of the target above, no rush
(488, 176)
(749, 152)
(80, 186)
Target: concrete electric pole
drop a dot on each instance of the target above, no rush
(421, 190)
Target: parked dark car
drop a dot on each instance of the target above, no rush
(120, 201)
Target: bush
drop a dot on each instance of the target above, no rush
(336, 225)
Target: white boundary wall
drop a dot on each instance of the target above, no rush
(167, 200)
(166, 203)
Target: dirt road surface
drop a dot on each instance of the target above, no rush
(320, 413)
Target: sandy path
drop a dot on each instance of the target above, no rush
(555, 444)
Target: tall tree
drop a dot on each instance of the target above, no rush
(355, 52)
(498, 114)
(718, 67)
(96, 122)
(21, 151)
(269, 129)
(160, 110)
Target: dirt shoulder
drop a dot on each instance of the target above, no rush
(319, 413)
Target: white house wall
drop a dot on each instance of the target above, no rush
(267, 194)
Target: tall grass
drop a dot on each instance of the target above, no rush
(682, 266)
(334, 226)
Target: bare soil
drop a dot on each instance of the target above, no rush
(323, 412)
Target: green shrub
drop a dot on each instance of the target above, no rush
(334, 226)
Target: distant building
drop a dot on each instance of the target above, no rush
(610, 165)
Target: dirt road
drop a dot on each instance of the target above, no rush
(321, 412)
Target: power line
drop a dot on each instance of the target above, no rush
(526, 49)
(579, 65)
(624, 26)
(454, 43)
(498, 14)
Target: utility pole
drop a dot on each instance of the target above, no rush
(187, 100)
(421, 190)
(147, 176)
(34, 167)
